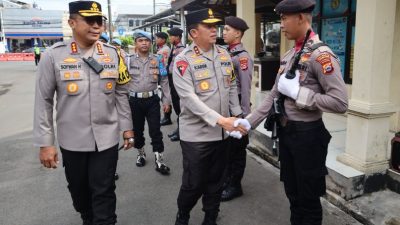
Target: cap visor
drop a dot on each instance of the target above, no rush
(214, 20)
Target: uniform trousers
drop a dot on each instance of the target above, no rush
(203, 175)
(303, 148)
(236, 160)
(147, 109)
(90, 177)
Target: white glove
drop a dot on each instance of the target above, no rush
(236, 134)
(242, 122)
(289, 87)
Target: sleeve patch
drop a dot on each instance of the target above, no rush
(325, 60)
(182, 65)
(244, 63)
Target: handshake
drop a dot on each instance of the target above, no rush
(235, 127)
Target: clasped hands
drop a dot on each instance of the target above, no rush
(235, 127)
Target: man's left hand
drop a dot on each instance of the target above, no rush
(289, 87)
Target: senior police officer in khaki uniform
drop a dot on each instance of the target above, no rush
(175, 37)
(144, 69)
(243, 66)
(164, 51)
(92, 109)
(203, 78)
(317, 87)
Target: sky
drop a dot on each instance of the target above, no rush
(116, 5)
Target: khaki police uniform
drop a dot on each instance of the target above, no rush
(206, 86)
(145, 74)
(243, 67)
(92, 109)
(303, 141)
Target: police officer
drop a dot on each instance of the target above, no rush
(175, 37)
(104, 37)
(203, 78)
(91, 110)
(243, 65)
(317, 87)
(163, 50)
(144, 69)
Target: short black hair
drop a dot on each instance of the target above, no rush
(73, 15)
(191, 27)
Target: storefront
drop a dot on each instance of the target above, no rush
(24, 28)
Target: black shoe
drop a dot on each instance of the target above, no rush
(231, 192)
(182, 218)
(141, 158)
(165, 121)
(160, 165)
(175, 138)
(210, 219)
(116, 176)
(175, 132)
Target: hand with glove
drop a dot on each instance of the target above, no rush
(289, 87)
(235, 134)
(244, 123)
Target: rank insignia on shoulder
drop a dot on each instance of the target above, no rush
(244, 63)
(305, 57)
(182, 65)
(325, 60)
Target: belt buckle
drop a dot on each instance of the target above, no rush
(145, 94)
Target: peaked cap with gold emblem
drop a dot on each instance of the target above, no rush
(85, 8)
(201, 16)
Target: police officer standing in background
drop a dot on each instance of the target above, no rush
(144, 69)
(164, 51)
(175, 37)
(317, 87)
(91, 110)
(243, 66)
(205, 82)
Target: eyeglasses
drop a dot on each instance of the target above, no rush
(94, 19)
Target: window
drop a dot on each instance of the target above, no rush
(137, 23)
(130, 23)
(334, 21)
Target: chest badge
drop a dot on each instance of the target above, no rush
(204, 85)
(72, 88)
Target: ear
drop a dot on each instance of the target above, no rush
(193, 33)
(301, 18)
(72, 23)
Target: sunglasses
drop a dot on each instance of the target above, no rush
(91, 20)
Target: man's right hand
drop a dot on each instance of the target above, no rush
(49, 157)
(228, 125)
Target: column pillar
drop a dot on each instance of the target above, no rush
(245, 9)
(370, 107)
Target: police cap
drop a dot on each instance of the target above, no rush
(85, 8)
(236, 23)
(175, 31)
(105, 37)
(162, 35)
(295, 6)
(201, 16)
(142, 33)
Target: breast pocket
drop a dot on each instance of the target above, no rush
(107, 81)
(72, 82)
(204, 81)
(228, 76)
(154, 74)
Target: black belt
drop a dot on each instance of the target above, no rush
(303, 126)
